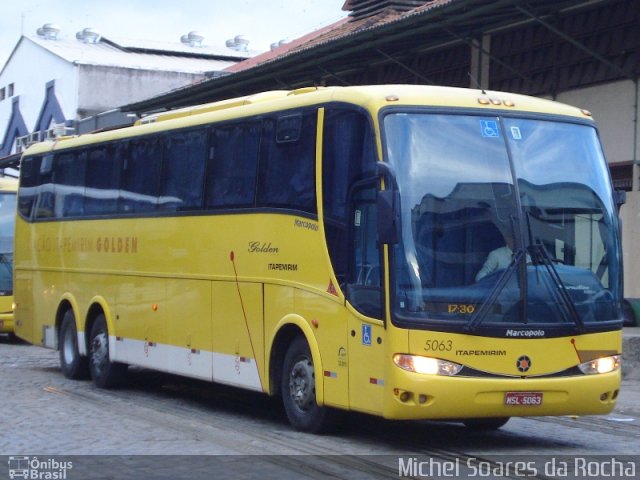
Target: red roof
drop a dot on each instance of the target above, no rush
(342, 28)
(284, 48)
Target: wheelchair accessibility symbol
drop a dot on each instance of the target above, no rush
(366, 335)
(489, 129)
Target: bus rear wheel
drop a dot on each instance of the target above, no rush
(298, 389)
(104, 372)
(72, 364)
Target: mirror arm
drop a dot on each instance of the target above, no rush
(386, 172)
(388, 206)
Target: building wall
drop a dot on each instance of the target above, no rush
(630, 216)
(615, 110)
(30, 68)
(63, 81)
(102, 88)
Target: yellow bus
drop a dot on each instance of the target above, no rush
(411, 252)
(8, 189)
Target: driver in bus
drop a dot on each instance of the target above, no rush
(498, 259)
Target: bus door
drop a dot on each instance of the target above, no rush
(364, 294)
(349, 155)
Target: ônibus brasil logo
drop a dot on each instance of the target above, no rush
(38, 469)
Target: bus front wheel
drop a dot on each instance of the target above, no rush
(72, 364)
(104, 372)
(299, 390)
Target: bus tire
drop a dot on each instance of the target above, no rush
(104, 372)
(72, 364)
(486, 423)
(298, 389)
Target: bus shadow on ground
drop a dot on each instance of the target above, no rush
(401, 435)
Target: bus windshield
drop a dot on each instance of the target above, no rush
(504, 220)
(7, 219)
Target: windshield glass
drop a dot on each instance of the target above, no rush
(504, 220)
(7, 225)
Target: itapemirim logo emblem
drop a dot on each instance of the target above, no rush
(523, 363)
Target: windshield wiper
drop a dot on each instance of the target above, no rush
(540, 255)
(486, 306)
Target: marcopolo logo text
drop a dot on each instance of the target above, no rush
(525, 333)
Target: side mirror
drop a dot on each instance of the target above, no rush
(388, 213)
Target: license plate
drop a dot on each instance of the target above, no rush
(523, 399)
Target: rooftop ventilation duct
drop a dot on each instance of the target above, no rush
(89, 35)
(279, 44)
(49, 31)
(239, 43)
(193, 39)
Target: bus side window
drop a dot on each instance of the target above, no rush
(69, 178)
(103, 179)
(45, 196)
(232, 166)
(29, 174)
(183, 171)
(141, 176)
(287, 170)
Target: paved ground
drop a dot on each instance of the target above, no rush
(246, 435)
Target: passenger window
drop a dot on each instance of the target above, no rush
(103, 179)
(69, 171)
(183, 171)
(287, 169)
(29, 173)
(45, 202)
(141, 176)
(232, 166)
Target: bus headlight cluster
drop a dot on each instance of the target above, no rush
(600, 365)
(426, 365)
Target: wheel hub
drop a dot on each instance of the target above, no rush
(302, 384)
(99, 352)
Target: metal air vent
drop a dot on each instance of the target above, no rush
(49, 31)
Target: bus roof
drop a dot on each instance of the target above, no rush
(372, 97)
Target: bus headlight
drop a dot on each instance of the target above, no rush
(426, 365)
(600, 365)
